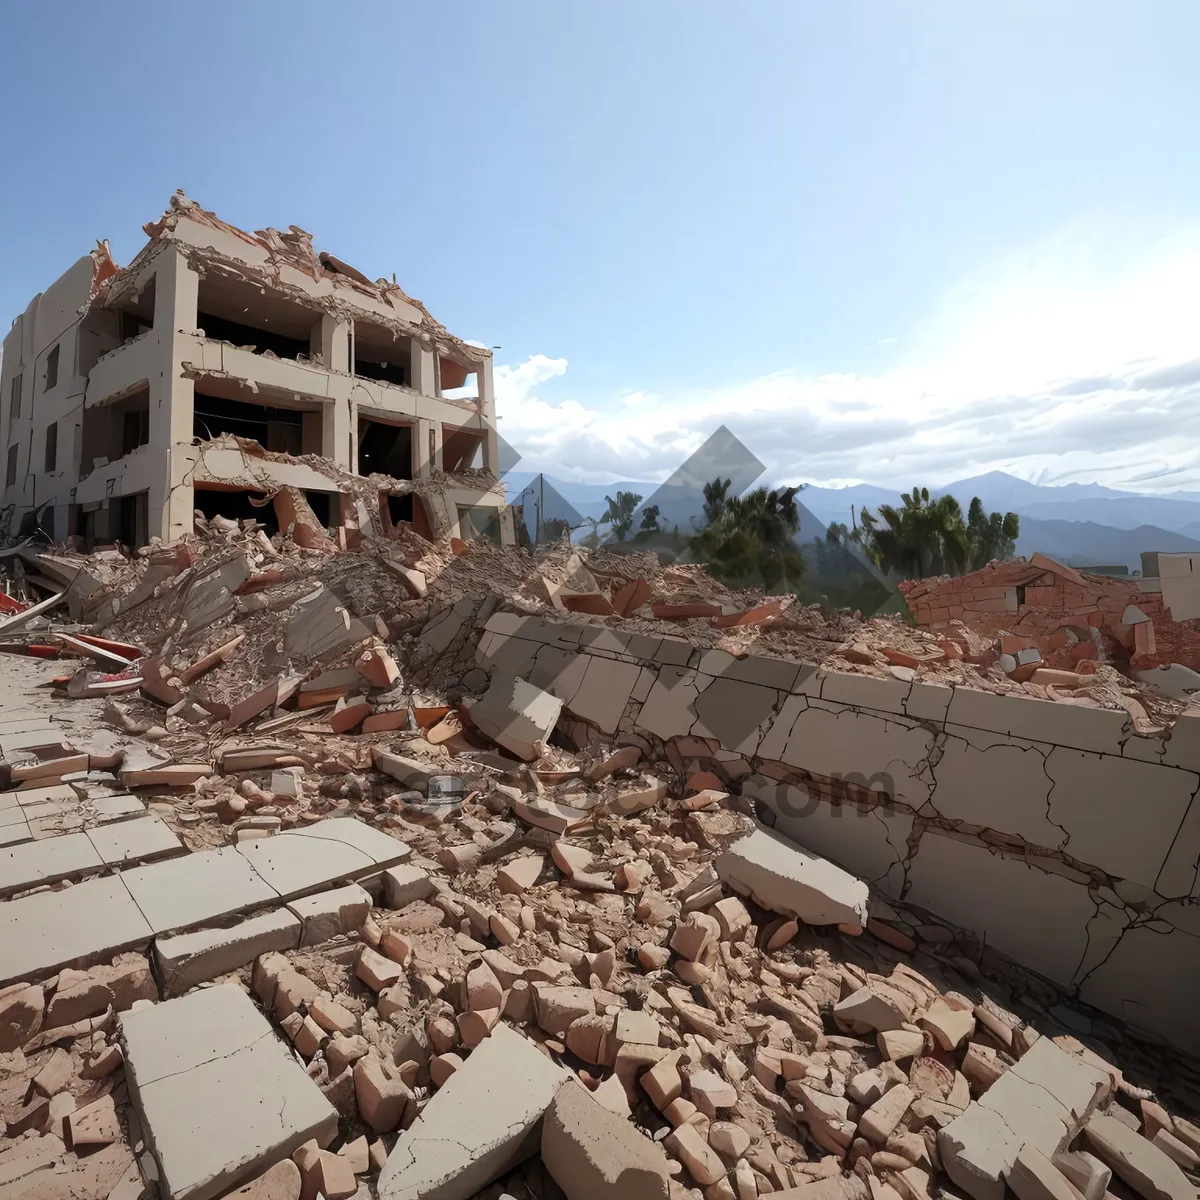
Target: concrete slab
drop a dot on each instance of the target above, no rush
(219, 1094)
(197, 888)
(779, 875)
(15, 831)
(292, 866)
(114, 808)
(133, 841)
(328, 914)
(383, 849)
(191, 958)
(1031, 1104)
(44, 795)
(31, 863)
(484, 1120)
(77, 926)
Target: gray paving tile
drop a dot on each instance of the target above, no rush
(220, 1095)
(87, 923)
(383, 849)
(187, 891)
(292, 866)
(31, 863)
(133, 841)
(14, 832)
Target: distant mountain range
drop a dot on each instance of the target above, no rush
(1083, 524)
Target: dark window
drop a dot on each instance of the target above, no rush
(14, 404)
(222, 330)
(52, 369)
(1020, 595)
(136, 431)
(51, 447)
(11, 477)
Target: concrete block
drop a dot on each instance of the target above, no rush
(779, 730)
(1091, 800)
(928, 702)
(516, 715)
(554, 670)
(869, 842)
(197, 888)
(1031, 1104)
(1178, 876)
(77, 926)
(45, 861)
(219, 1094)
(292, 866)
(484, 1120)
(1003, 786)
(1151, 980)
(865, 691)
(380, 847)
(758, 669)
(778, 875)
(328, 914)
(183, 961)
(134, 841)
(669, 710)
(513, 655)
(883, 753)
(1035, 917)
(404, 885)
(1098, 730)
(604, 692)
(319, 625)
(736, 714)
(593, 1154)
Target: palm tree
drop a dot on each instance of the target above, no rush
(748, 540)
(619, 514)
(924, 537)
(991, 535)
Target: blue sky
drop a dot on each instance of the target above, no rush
(880, 241)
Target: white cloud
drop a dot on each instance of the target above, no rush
(1077, 359)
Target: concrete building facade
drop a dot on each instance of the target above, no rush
(223, 369)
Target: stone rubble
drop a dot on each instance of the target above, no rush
(579, 973)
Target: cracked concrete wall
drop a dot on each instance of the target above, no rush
(1050, 831)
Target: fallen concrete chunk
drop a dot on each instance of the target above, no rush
(328, 914)
(778, 875)
(592, 1154)
(192, 958)
(485, 1119)
(1140, 1163)
(280, 1182)
(516, 715)
(220, 1096)
(405, 885)
(1034, 1177)
(1033, 1103)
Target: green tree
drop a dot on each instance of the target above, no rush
(927, 536)
(922, 537)
(748, 541)
(990, 535)
(620, 512)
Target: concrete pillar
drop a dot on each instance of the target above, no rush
(423, 431)
(330, 342)
(172, 398)
(422, 359)
(487, 409)
(339, 433)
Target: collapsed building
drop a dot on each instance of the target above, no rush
(441, 870)
(241, 375)
(1057, 616)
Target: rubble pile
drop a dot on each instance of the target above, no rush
(576, 1013)
(389, 933)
